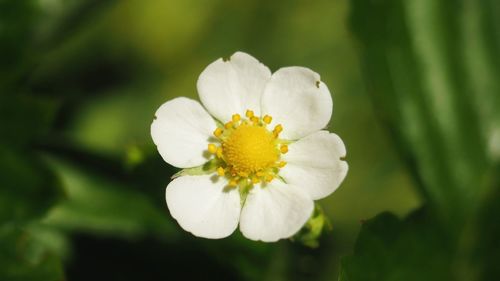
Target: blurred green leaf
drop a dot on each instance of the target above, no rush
(27, 188)
(24, 258)
(389, 249)
(429, 96)
(485, 246)
(420, 247)
(100, 205)
(65, 18)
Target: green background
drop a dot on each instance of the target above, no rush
(416, 94)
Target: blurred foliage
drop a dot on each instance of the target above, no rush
(429, 96)
(82, 186)
(432, 68)
(417, 248)
(23, 257)
(29, 189)
(96, 205)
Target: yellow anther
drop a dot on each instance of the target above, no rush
(254, 119)
(267, 119)
(249, 114)
(236, 118)
(228, 125)
(220, 171)
(212, 148)
(277, 130)
(233, 183)
(282, 164)
(259, 174)
(219, 152)
(284, 148)
(218, 132)
(269, 178)
(255, 180)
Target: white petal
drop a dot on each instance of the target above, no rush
(296, 98)
(275, 211)
(233, 86)
(181, 132)
(203, 206)
(314, 164)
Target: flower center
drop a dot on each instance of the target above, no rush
(250, 149)
(248, 152)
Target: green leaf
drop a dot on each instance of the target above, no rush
(24, 258)
(431, 68)
(483, 236)
(100, 205)
(387, 248)
(204, 169)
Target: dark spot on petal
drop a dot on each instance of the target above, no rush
(317, 84)
(154, 117)
(226, 59)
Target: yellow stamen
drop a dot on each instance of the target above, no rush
(277, 130)
(219, 152)
(218, 132)
(248, 152)
(269, 178)
(212, 148)
(249, 149)
(236, 118)
(220, 171)
(267, 119)
(284, 148)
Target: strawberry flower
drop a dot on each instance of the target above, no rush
(254, 152)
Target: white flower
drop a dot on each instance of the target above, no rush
(259, 138)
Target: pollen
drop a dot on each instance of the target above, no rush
(248, 153)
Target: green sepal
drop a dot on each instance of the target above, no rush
(205, 169)
(310, 233)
